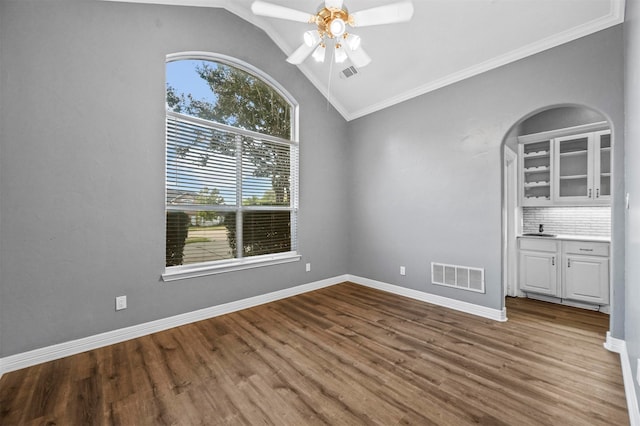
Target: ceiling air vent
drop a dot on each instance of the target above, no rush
(348, 72)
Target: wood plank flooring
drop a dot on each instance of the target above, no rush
(343, 355)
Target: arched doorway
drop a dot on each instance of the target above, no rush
(523, 214)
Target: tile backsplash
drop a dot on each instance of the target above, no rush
(586, 221)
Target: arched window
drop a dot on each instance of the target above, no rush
(231, 167)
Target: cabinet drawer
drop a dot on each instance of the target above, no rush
(538, 244)
(586, 248)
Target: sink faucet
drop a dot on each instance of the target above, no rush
(541, 229)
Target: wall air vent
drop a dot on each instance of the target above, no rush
(348, 72)
(462, 277)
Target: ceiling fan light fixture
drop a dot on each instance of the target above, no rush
(311, 38)
(340, 54)
(337, 27)
(319, 53)
(352, 41)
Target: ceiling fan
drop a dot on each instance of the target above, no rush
(331, 20)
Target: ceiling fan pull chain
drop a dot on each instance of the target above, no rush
(330, 74)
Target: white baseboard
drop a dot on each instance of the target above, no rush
(620, 346)
(615, 345)
(470, 308)
(61, 350)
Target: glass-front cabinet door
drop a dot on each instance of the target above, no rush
(566, 167)
(574, 168)
(602, 166)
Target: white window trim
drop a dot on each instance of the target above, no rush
(174, 273)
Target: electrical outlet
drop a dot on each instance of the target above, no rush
(121, 303)
(308, 267)
(403, 271)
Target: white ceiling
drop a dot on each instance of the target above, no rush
(445, 42)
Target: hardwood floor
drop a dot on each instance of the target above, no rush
(341, 355)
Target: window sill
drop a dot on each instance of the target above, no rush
(175, 273)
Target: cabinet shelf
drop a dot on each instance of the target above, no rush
(537, 154)
(536, 184)
(537, 169)
(568, 177)
(573, 153)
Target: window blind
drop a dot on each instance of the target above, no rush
(230, 193)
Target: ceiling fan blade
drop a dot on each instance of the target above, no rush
(359, 57)
(301, 53)
(271, 10)
(337, 4)
(389, 14)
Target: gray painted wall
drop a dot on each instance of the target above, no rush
(82, 168)
(426, 174)
(632, 150)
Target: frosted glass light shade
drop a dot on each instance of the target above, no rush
(353, 41)
(319, 53)
(311, 38)
(340, 54)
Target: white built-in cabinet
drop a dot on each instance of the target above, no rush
(572, 270)
(538, 266)
(585, 271)
(566, 167)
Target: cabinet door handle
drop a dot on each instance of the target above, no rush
(590, 192)
(584, 249)
(598, 193)
(553, 261)
(568, 263)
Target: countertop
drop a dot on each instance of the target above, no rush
(571, 238)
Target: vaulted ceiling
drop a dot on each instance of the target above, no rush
(445, 42)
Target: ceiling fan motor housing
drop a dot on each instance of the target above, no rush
(332, 22)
